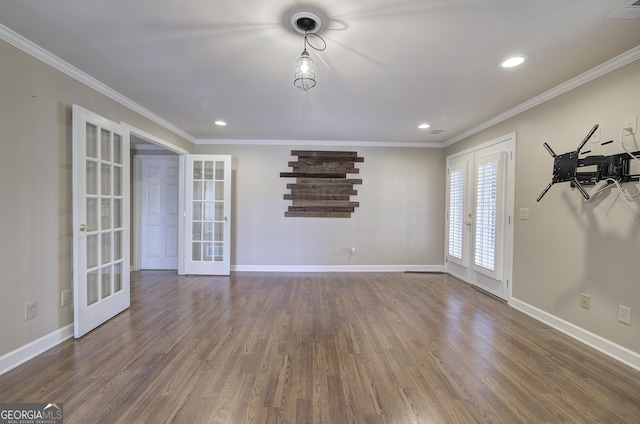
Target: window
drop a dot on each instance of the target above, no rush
(456, 212)
(488, 214)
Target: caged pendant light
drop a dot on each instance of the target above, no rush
(305, 76)
(305, 73)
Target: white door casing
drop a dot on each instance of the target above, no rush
(207, 228)
(100, 220)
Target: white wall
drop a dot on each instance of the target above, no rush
(399, 224)
(568, 246)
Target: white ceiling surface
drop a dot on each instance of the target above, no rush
(393, 64)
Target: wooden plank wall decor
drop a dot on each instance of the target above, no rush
(322, 188)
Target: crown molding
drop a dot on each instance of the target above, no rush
(43, 55)
(27, 46)
(22, 43)
(590, 75)
(327, 143)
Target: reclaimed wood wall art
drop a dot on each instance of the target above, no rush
(322, 188)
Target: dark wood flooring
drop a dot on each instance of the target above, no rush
(324, 348)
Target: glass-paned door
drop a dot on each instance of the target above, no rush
(457, 208)
(208, 211)
(479, 232)
(100, 220)
(489, 212)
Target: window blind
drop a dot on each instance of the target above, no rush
(488, 215)
(456, 212)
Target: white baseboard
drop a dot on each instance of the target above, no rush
(29, 351)
(601, 344)
(337, 268)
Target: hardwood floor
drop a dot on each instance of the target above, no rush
(324, 348)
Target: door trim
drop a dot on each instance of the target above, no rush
(136, 197)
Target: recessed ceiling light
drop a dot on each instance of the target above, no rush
(512, 61)
(220, 123)
(423, 126)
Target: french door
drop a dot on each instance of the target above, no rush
(207, 247)
(100, 220)
(480, 195)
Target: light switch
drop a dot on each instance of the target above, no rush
(524, 213)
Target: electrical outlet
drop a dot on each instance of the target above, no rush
(353, 250)
(65, 297)
(632, 124)
(624, 314)
(585, 301)
(336, 251)
(30, 310)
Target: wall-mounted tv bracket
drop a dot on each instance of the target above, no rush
(565, 167)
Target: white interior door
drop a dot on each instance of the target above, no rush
(480, 192)
(100, 220)
(207, 215)
(159, 212)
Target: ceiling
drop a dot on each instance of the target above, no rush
(392, 64)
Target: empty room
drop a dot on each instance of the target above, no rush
(320, 212)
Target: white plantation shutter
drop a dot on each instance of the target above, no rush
(457, 176)
(489, 215)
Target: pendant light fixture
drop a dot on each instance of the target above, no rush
(305, 73)
(305, 76)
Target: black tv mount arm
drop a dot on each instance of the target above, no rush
(613, 167)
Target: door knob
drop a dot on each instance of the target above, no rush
(85, 227)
